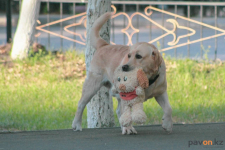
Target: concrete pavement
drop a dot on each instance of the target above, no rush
(148, 137)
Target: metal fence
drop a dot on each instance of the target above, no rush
(170, 25)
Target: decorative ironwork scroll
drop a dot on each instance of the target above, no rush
(147, 13)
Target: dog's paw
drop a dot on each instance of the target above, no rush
(167, 124)
(76, 125)
(129, 130)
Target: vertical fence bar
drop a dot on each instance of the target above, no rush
(86, 6)
(137, 10)
(188, 31)
(215, 32)
(113, 31)
(201, 15)
(9, 22)
(48, 20)
(124, 9)
(175, 50)
(61, 30)
(36, 38)
(20, 4)
(150, 27)
(19, 8)
(74, 29)
(163, 26)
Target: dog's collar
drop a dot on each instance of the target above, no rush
(151, 81)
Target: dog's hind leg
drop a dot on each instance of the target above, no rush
(91, 85)
(163, 101)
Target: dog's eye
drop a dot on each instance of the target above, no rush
(125, 78)
(129, 55)
(118, 79)
(153, 53)
(138, 56)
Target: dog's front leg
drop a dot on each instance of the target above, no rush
(91, 85)
(163, 101)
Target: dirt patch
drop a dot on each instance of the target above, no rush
(6, 49)
(8, 130)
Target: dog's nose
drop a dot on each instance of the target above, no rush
(125, 67)
(122, 87)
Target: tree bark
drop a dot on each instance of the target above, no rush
(24, 36)
(100, 108)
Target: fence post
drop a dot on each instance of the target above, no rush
(9, 23)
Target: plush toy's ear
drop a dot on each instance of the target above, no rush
(142, 79)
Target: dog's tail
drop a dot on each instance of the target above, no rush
(96, 40)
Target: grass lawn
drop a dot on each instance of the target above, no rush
(41, 93)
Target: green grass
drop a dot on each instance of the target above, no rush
(42, 93)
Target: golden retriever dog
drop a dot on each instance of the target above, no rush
(108, 57)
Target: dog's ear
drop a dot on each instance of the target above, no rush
(157, 58)
(142, 79)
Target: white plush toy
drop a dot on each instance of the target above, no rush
(130, 86)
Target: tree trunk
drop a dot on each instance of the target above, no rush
(24, 36)
(100, 108)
